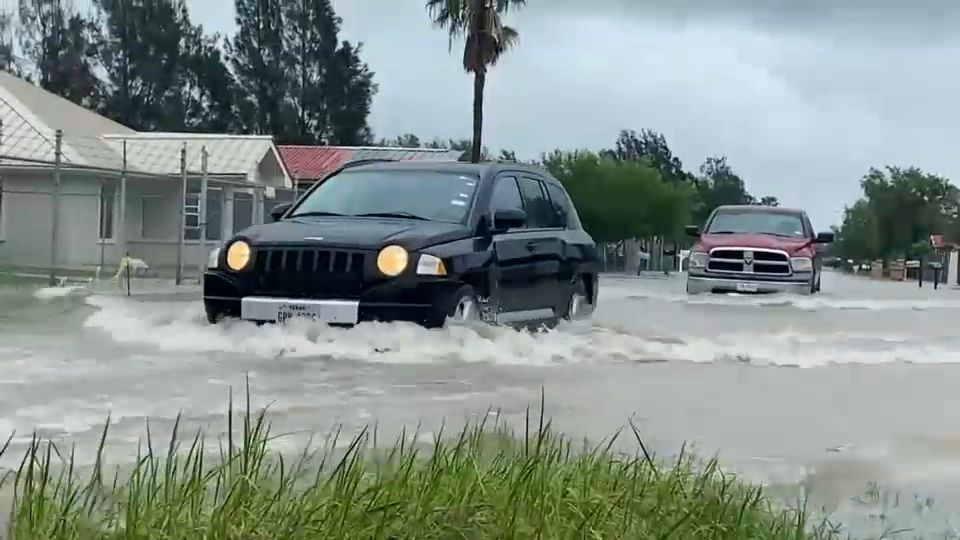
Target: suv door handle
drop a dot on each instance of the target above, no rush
(532, 245)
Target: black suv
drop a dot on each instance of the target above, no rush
(417, 241)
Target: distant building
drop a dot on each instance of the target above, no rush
(94, 225)
(308, 164)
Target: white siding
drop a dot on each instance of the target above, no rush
(28, 224)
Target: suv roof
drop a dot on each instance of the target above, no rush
(482, 169)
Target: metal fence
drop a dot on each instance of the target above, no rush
(635, 256)
(71, 202)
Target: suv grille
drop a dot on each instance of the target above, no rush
(747, 261)
(308, 272)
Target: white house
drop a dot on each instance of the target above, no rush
(121, 191)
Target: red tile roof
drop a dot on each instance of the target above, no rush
(315, 162)
(312, 162)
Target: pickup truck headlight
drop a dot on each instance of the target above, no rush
(428, 265)
(801, 264)
(213, 260)
(698, 259)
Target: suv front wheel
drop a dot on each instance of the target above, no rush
(461, 307)
(579, 303)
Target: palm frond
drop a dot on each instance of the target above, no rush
(503, 6)
(478, 21)
(452, 15)
(509, 37)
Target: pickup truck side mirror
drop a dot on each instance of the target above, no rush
(825, 238)
(692, 230)
(279, 210)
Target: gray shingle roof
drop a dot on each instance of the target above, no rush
(30, 117)
(159, 153)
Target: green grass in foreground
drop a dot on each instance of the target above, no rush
(479, 484)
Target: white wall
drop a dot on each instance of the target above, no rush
(26, 222)
(26, 238)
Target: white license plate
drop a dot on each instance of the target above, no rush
(287, 312)
(746, 287)
(283, 310)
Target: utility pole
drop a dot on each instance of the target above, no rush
(183, 200)
(203, 214)
(122, 229)
(55, 206)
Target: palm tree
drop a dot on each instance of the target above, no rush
(486, 40)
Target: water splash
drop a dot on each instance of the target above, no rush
(180, 327)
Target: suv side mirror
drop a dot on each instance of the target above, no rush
(279, 210)
(692, 230)
(509, 218)
(825, 238)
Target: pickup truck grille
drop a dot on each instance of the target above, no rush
(748, 261)
(308, 272)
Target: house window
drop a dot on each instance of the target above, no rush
(106, 211)
(191, 210)
(242, 211)
(155, 222)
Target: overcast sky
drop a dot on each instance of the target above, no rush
(802, 97)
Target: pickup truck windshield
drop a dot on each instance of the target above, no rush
(401, 194)
(757, 222)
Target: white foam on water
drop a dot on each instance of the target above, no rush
(181, 328)
(49, 293)
(805, 303)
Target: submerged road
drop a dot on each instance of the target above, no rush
(821, 395)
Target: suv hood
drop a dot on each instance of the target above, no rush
(356, 233)
(767, 241)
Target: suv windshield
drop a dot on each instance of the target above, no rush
(757, 222)
(404, 194)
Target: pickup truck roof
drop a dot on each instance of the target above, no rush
(759, 208)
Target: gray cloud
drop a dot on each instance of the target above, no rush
(802, 96)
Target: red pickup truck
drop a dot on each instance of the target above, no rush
(756, 249)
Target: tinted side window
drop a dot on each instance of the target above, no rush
(540, 214)
(506, 195)
(562, 206)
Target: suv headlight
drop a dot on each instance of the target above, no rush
(698, 259)
(238, 255)
(801, 264)
(392, 260)
(213, 260)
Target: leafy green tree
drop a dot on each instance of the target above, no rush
(769, 201)
(619, 199)
(61, 45)
(486, 39)
(256, 54)
(858, 238)
(652, 146)
(208, 95)
(899, 211)
(349, 97)
(142, 57)
(718, 185)
(407, 140)
(8, 60)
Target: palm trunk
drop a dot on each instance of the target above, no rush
(479, 82)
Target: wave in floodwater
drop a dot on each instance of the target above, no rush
(806, 303)
(180, 327)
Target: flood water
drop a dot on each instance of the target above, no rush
(824, 395)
